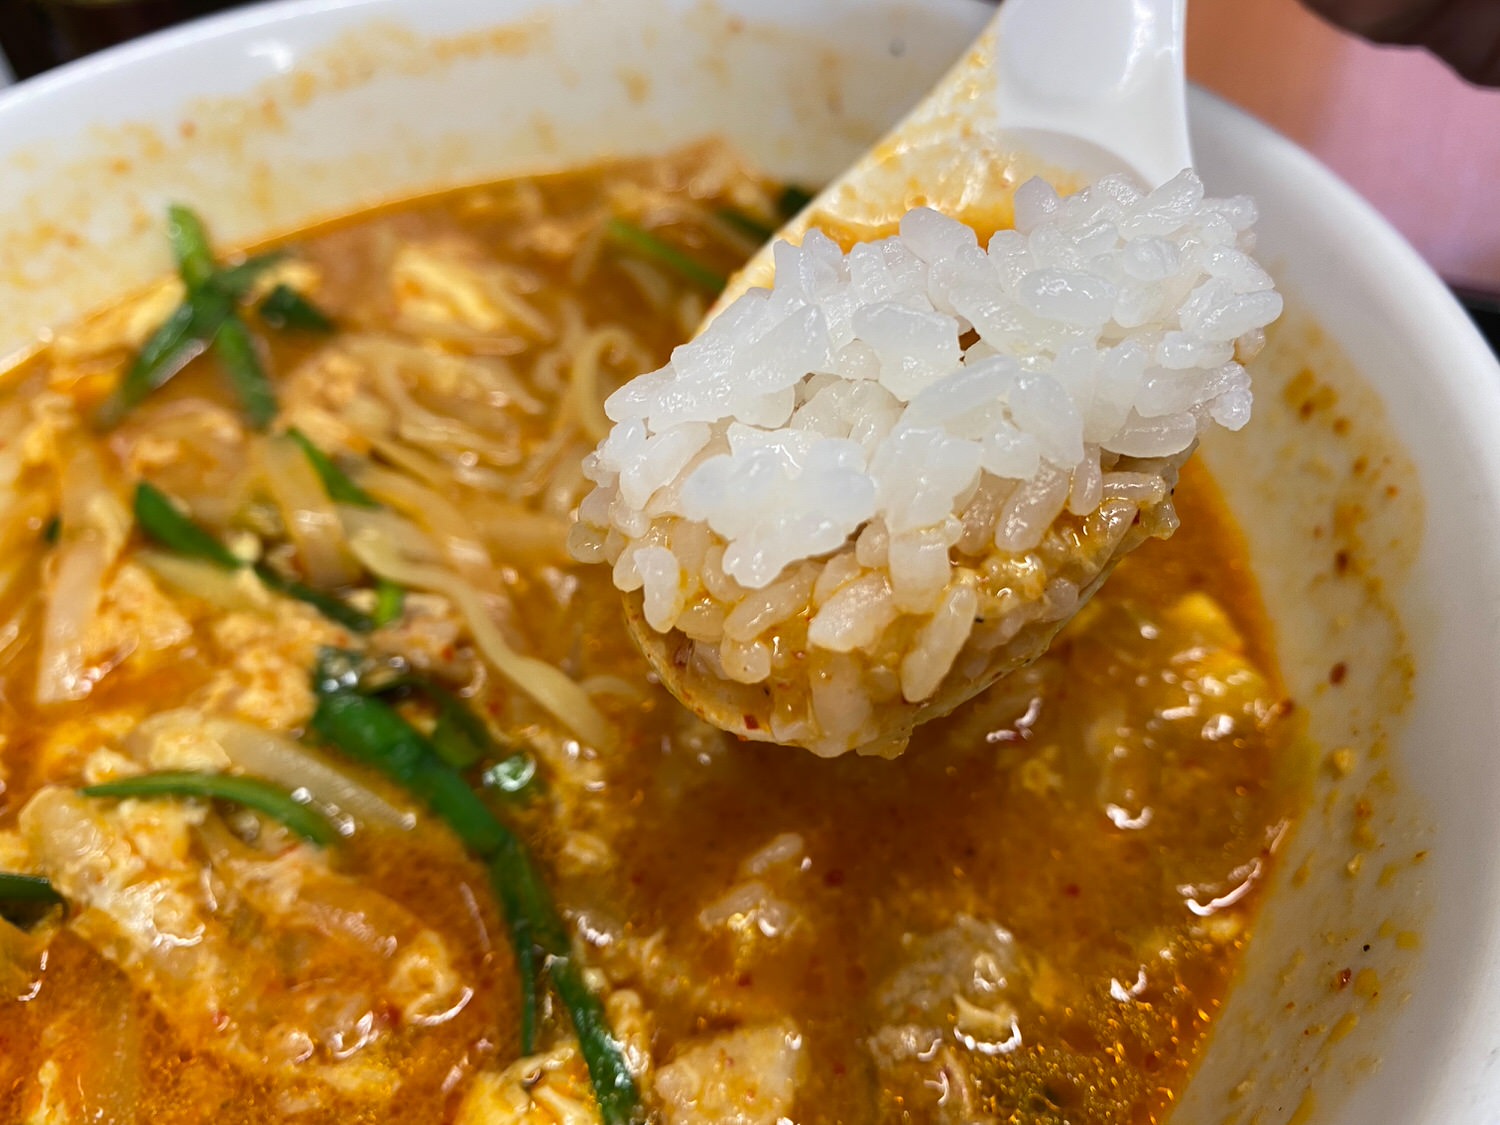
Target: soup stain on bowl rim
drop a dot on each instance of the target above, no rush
(279, 90)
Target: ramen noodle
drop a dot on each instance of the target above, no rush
(333, 789)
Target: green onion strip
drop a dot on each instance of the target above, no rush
(370, 731)
(251, 792)
(161, 520)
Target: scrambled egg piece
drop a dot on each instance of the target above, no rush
(547, 1089)
(209, 942)
(135, 621)
(263, 664)
(445, 283)
(744, 1077)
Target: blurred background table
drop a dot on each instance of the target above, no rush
(1418, 142)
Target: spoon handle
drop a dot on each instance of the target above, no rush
(1077, 88)
(1092, 84)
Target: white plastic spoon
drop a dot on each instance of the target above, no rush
(1070, 89)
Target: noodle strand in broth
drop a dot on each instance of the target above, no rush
(551, 893)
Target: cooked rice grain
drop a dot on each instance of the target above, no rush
(912, 462)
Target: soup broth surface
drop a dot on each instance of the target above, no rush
(1031, 916)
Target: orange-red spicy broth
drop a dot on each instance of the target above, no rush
(1031, 916)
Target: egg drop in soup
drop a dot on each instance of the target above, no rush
(334, 789)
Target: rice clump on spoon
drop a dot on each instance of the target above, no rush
(859, 497)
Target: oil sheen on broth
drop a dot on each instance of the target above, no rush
(1032, 916)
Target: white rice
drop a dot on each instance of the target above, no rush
(856, 450)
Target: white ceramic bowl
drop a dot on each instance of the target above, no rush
(1369, 490)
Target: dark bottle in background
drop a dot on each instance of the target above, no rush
(38, 34)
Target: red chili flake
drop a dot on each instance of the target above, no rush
(745, 980)
(1072, 890)
(1341, 981)
(752, 723)
(833, 877)
(1337, 673)
(1341, 562)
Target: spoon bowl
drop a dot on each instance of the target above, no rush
(1069, 90)
(746, 710)
(1095, 88)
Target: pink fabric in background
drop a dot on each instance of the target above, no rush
(1417, 141)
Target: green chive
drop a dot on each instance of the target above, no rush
(181, 338)
(195, 261)
(161, 520)
(339, 669)
(52, 531)
(614, 1085)
(25, 898)
(27, 888)
(452, 742)
(237, 281)
(372, 732)
(251, 792)
(751, 228)
(459, 735)
(647, 245)
(205, 317)
(390, 603)
(335, 481)
(792, 201)
(236, 351)
(526, 969)
(335, 609)
(286, 309)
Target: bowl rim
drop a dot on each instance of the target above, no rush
(1438, 1066)
(1447, 334)
(17, 100)
(1454, 326)
(153, 44)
